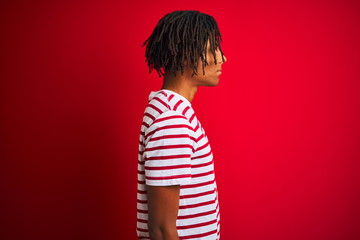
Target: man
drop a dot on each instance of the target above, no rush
(177, 193)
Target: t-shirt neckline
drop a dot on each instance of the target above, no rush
(176, 94)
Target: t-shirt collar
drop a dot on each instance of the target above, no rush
(153, 93)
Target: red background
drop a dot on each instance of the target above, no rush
(283, 122)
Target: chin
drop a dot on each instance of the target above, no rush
(215, 83)
(210, 82)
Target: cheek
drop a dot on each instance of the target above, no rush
(208, 67)
(218, 57)
(210, 59)
(200, 68)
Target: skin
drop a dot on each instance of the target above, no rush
(163, 201)
(186, 85)
(163, 206)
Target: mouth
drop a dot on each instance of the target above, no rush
(219, 71)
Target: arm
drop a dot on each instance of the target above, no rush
(163, 206)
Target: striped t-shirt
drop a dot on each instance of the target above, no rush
(174, 150)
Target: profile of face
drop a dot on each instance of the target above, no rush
(212, 70)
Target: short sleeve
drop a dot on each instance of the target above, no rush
(169, 145)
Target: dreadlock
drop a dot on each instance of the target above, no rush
(182, 36)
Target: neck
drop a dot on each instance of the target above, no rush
(181, 84)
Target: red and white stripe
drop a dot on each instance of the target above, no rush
(174, 150)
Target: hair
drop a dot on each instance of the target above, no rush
(182, 36)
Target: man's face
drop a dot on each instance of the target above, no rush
(212, 70)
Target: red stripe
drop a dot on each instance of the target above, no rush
(145, 124)
(203, 146)
(149, 115)
(169, 157)
(198, 204)
(142, 211)
(197, 225)
(141, 172)
(168, 127)
(197, 127)
(197, 194)
(197, 184)
(155, 108)
(162, 102)
(185, 110)
(171, 96)
(167, 118)
(142, 230)
(202, 156)
(187, 206)
(177, 104)
(203, 174)
(169, 177)
(169, 147)
(142, 201)
(141, 191)
(200, 137)
(163, 93)
(142, 220)
(192, 117)
(172, 136)
(198, 235)
(169, 167)
(196, 215)
(202, 164)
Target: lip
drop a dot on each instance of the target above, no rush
(219, 71)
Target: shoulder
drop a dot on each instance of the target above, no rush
(171, 124)
(166, 107)
(157, 105)
(170, 120)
